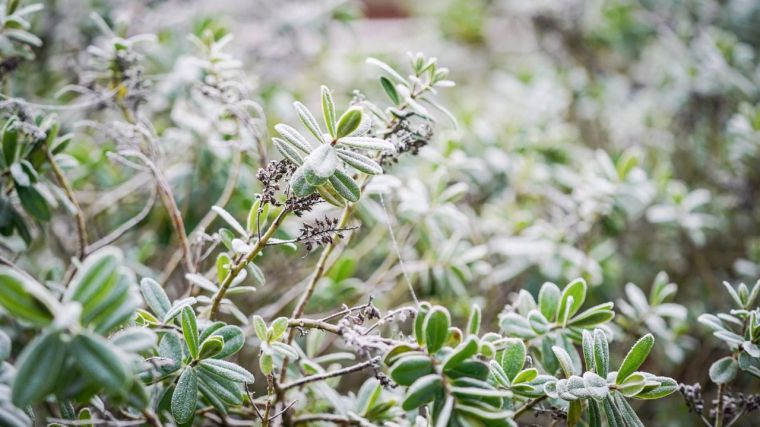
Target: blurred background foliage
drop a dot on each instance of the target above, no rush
(603, 139)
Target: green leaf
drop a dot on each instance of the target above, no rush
(473, 321)
(266, 364)
(260, 327)
(367, 143)
(223, 263)
(288, 151)
(419, 322)
(293, 137)
(227, 370)
(279, 326)
(155, 297)
(96, 358)
(38, 365)
(387, 68)
(408, 369)
(234, 339)
(436, 328)
(635, 357)
(464, 351)
(10, 141)
(423, 390)
(513, 357)
(328, 110)
(444, 415)
(134, 339)
(300, 186)
(548, 300)
(389, 89)
(185, 396)
(525, 376)
(594, 414)
(627, 413)
(345, 186)
(308, 120)
(33, 202)
(96, 279)
(320, 165)
(614, 418)
(588, 350)
(601, 353)
(16, 298)
(349, 122)
(227, 391)
(665, 387)
(211, 347)
(190, 331)
(360, 162)
(564, 360)
(594, 316)
(724, 370)
(577, 290)
(633, 385)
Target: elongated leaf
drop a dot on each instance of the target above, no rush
(513, 357)
(33, 202)
(436, 328)
(227, 370)
(155, 297)
(601, 353)
(626, 412)
(293, 137)
(613, 416)
(408, 369)
(666, 386)
(387, 68)
(16, 298)
(98, 360)
(360, 162)
(211, 346)
(588, 350)
(548, 300)
(423, 390)
(367, 143)
(473, 321)
(185, 396)
(299, 185)
(349, 122)
(345, 186)
(390, 90)
(464, 351)
(288, 151)
(95, 279)
(308, 120)
(228, 391)
(38, 365)
(328, 110)
(190, 331)
(564, 360)
(635, 357)
(234, 340)
(577, 290)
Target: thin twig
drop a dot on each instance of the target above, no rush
(240, 265)
(527, 406)
(78, 213)
(326, 375)
(224, 198)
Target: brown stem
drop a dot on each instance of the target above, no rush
(78, 213)
(239, 266)
(224, 198)
(531, 403)
(326, 375)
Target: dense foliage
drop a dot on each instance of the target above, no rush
(303, 226)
